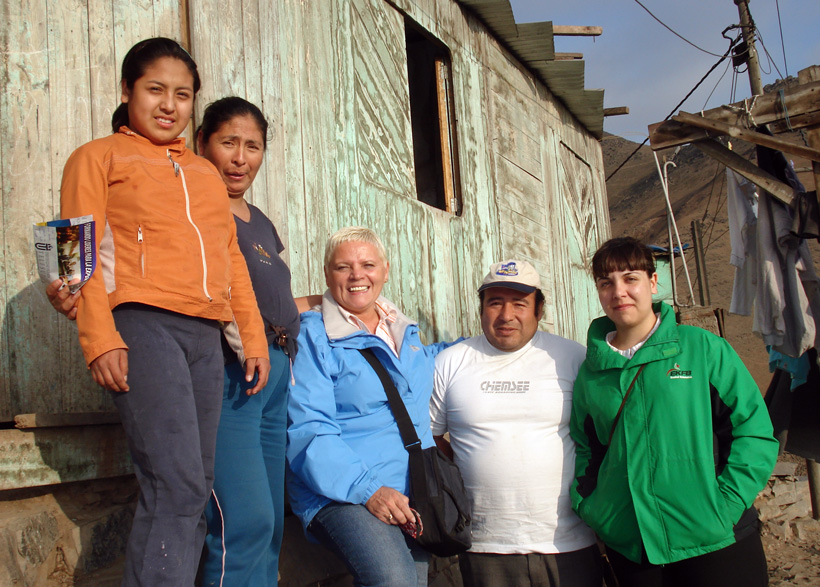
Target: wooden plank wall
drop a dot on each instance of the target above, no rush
(58, 88)
(332, 78)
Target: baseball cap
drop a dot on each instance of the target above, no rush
(517, 275)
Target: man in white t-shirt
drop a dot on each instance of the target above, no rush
(505, 398)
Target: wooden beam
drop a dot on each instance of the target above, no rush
(443, 94)
(617, 111)
(576, 31)
(568, 56)
(812, 74)
(747, 169)
(799, 101)
(748, 135)
(47, 456)
(25, 421)
(795, 123)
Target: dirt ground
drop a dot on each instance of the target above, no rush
(794, 555)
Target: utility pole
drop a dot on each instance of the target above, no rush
(747, 28)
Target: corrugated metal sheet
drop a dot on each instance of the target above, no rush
(533, 44)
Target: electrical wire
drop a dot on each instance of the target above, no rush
(675, 109)
(675, 33)
(771, 60)
(720, 79)
(782, 44)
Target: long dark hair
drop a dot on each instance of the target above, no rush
(139, 58)
(226, 109)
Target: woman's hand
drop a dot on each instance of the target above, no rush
(390, 506)
(260, 367)
(111, 370)
(62, 299)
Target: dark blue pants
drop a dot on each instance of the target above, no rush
(246, 512)
(170, 417)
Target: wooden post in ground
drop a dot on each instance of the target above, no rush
(812, 74)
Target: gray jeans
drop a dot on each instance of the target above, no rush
(170, 417)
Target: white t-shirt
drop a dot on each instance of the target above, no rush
(508, 419)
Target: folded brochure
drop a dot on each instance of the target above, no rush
(65, 250)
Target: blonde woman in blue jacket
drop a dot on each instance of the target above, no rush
(673, 438)
(350, 469)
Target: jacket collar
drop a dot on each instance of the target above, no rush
(338, 328)
(175, 146)
(663, 344)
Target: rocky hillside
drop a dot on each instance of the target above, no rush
(697, 190)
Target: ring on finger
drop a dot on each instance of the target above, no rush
(389, 517)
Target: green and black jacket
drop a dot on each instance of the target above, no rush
(693, 447)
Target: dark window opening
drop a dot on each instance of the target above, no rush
(432, 118)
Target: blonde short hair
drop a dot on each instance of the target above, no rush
(353, 234)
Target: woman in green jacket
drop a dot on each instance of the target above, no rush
(673, 438)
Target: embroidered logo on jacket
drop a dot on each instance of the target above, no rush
(677, 373)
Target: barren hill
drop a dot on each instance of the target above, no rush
(697, 189)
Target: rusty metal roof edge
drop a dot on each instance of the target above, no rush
(497, 16)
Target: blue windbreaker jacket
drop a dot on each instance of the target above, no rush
(343, 442)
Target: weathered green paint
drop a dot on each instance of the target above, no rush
(664, 271)
(331, 76)
(47, 456)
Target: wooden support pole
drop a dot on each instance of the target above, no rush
(749, 37)
(749, 170)
(748, 135)
(700, 265)
(813, 470)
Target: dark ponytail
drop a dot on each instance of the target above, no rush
(139, 58)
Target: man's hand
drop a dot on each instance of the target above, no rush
(111, 370)
(62, 299)
(390, 506)
(260, 367)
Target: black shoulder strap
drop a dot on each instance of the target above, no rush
(406, 428)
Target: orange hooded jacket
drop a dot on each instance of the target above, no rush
(165, 237)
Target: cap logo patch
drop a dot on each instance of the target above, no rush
(508, 269)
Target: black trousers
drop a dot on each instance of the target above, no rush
(742, 564)
(579, 568)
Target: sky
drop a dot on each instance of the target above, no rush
(640, 64)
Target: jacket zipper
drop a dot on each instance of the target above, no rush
(179, 172)
(142, 250)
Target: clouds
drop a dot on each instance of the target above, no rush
(642, 65)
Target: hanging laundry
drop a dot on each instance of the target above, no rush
(742, 203)
(787, 298)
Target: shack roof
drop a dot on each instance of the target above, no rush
(533, 44)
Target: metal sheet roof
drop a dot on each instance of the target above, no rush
(533, 44)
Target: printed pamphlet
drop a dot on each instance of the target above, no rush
(65, 250)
